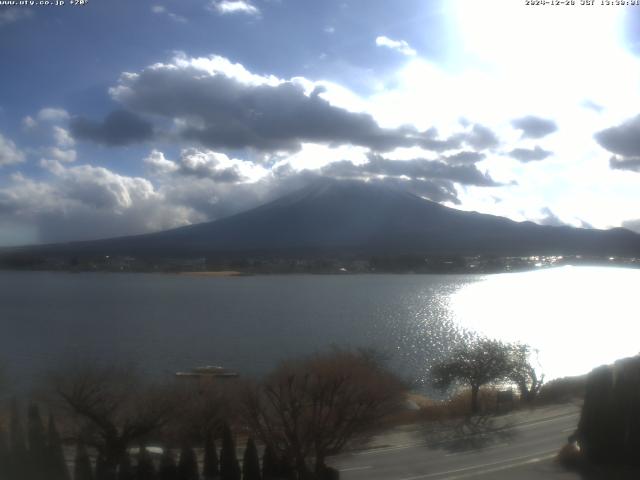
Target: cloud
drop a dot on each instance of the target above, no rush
(29, 122)
(414, 169)
(550, 219)
(591, 105)
(221, 104)
(159, 164)
(623, 139)
(529, 155)
(481, 137)
(200, 164)
(47, 115)
(627, 163)
(400, 46)
(229, 7)
(286, 180)
(633, 225)
(52, 115)
(119, 127)
(62, 137)
(11, 15)
(88, 202)
(465, 157)
(161, 10)
(9, 153)
(431, 141)
(61, 155)
(534, 127)
(85, 201)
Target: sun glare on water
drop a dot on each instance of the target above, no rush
(577, 317)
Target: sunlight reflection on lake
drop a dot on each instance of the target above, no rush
(578, 317)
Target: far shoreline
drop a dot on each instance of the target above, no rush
(214, 273)
(341, 272)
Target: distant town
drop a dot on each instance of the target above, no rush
(269, 264)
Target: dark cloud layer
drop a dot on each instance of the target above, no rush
(227, 175)
(622, 139)
(428, 178)
(464, 158)
(534, 127)
(529, 155)
(482, 138)
(119, 127)
(417, 168)
(632, 163)
(221, 111)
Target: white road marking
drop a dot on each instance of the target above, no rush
(531, 458)
(375, 451)
(477, 450)
(353, 469)
(533, 424)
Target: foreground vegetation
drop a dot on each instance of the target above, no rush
(302, 413)
(112, 424)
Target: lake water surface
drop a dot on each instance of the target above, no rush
(576, 317)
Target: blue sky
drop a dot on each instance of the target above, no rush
(121, 117)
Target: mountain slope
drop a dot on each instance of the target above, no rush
(350, 217)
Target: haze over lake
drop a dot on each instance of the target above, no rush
(578, 317)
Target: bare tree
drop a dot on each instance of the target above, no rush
(312, 408)
(112, 407)
(474, 362)
(524, 373)
(204, 408)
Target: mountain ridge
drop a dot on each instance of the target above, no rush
(359, 218)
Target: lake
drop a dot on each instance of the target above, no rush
(578, 317)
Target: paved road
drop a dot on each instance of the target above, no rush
(522, 448)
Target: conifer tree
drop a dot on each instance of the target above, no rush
(269, 464)
(145, 469)
(168, 468)
(101, 472)
(188, 465)
(37, 452)
(18, 460)
(125, 470)
(4, 454)
(56, 463)
(229, 467)
(251, 462)
(211, 468)
(285, 469)
(82, 469)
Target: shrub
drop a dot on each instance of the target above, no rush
(251, 462)
(229, 467)
(168, 468)
(211, 467)
(188, 465)
(57, 465)
(82, 469)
